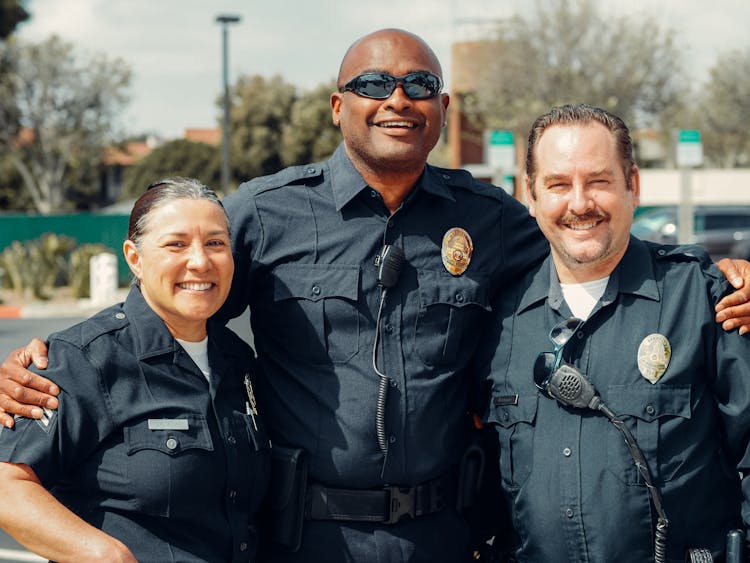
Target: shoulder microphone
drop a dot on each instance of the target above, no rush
(390, 260)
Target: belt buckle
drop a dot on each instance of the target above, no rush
(400, 503)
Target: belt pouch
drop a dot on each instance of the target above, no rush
(287, 495)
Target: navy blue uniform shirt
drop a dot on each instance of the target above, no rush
(574, 490)
(305, 242)
(141, 446)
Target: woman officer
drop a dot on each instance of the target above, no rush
(156, 452)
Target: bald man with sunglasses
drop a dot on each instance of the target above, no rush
(369, 278)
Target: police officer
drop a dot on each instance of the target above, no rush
(156, 452)
(649, 346)
(308, 245)
(369, 278)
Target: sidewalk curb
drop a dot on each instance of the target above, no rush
(82, 308)
(11, 312)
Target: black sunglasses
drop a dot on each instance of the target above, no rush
(547, 362)
(418, 85)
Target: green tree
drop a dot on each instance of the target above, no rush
(309, 135)
(570, 52)
(175, 158)
(56, 113)
(260, 109)
(11, 14)
(725, 111)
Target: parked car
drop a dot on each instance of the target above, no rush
(724, 230)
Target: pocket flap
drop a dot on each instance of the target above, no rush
(649, 403)
(524, 410)
(315, 282)
(459, 291)
(172, 439)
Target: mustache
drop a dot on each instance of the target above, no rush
(570, 218)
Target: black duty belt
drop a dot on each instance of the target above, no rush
(387, 505)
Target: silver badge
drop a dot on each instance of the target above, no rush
(653, 356)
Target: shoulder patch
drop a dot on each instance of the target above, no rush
(48, 418)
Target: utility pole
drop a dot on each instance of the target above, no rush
(225, 20)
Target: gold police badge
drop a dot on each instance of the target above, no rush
(653, 356)
(456, 250)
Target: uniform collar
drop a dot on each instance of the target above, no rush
(152, 335)
(347, 182)
(633, 275)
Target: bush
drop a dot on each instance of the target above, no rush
(34, 267)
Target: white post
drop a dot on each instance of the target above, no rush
(103, 272)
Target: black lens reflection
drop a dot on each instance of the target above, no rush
(543, 368)
(380, 86)
(562, 332)
(547, 363)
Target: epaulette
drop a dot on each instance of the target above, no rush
(289, 175)
(679, 252)
(103, 322)
(456, 177)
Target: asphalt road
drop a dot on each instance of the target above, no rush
(17, 332)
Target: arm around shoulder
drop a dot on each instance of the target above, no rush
(22, 392)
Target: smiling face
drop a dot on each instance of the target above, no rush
(184, 264)
(581, 200)
(396, 133)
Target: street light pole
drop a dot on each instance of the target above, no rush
(225, 20)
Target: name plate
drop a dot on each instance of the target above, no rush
(168, 424)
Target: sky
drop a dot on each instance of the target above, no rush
(174, 47)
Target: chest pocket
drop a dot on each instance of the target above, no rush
(450, 312)
(315, 311)
(515, 428)
(164, 465)
(656, 419)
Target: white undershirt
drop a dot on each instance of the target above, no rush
(198, 351)
(583, 297)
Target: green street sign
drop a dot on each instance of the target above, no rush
(689, 150)
(499, 150)
(501, 138)
(689, 136)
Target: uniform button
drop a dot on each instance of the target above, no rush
(243, 546)
(446, 177)
(232, 440)
(388, 327)
(311, 170)
(316, 290)
(650, 409)
(120, 315)
(373, 193)
(390, 224)
(566, 452)
(171, 444)
(506, 415)
(459, 297)
(569, 512)
(661, 252)
(579, 334)
(394, 383)
(392, 439)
